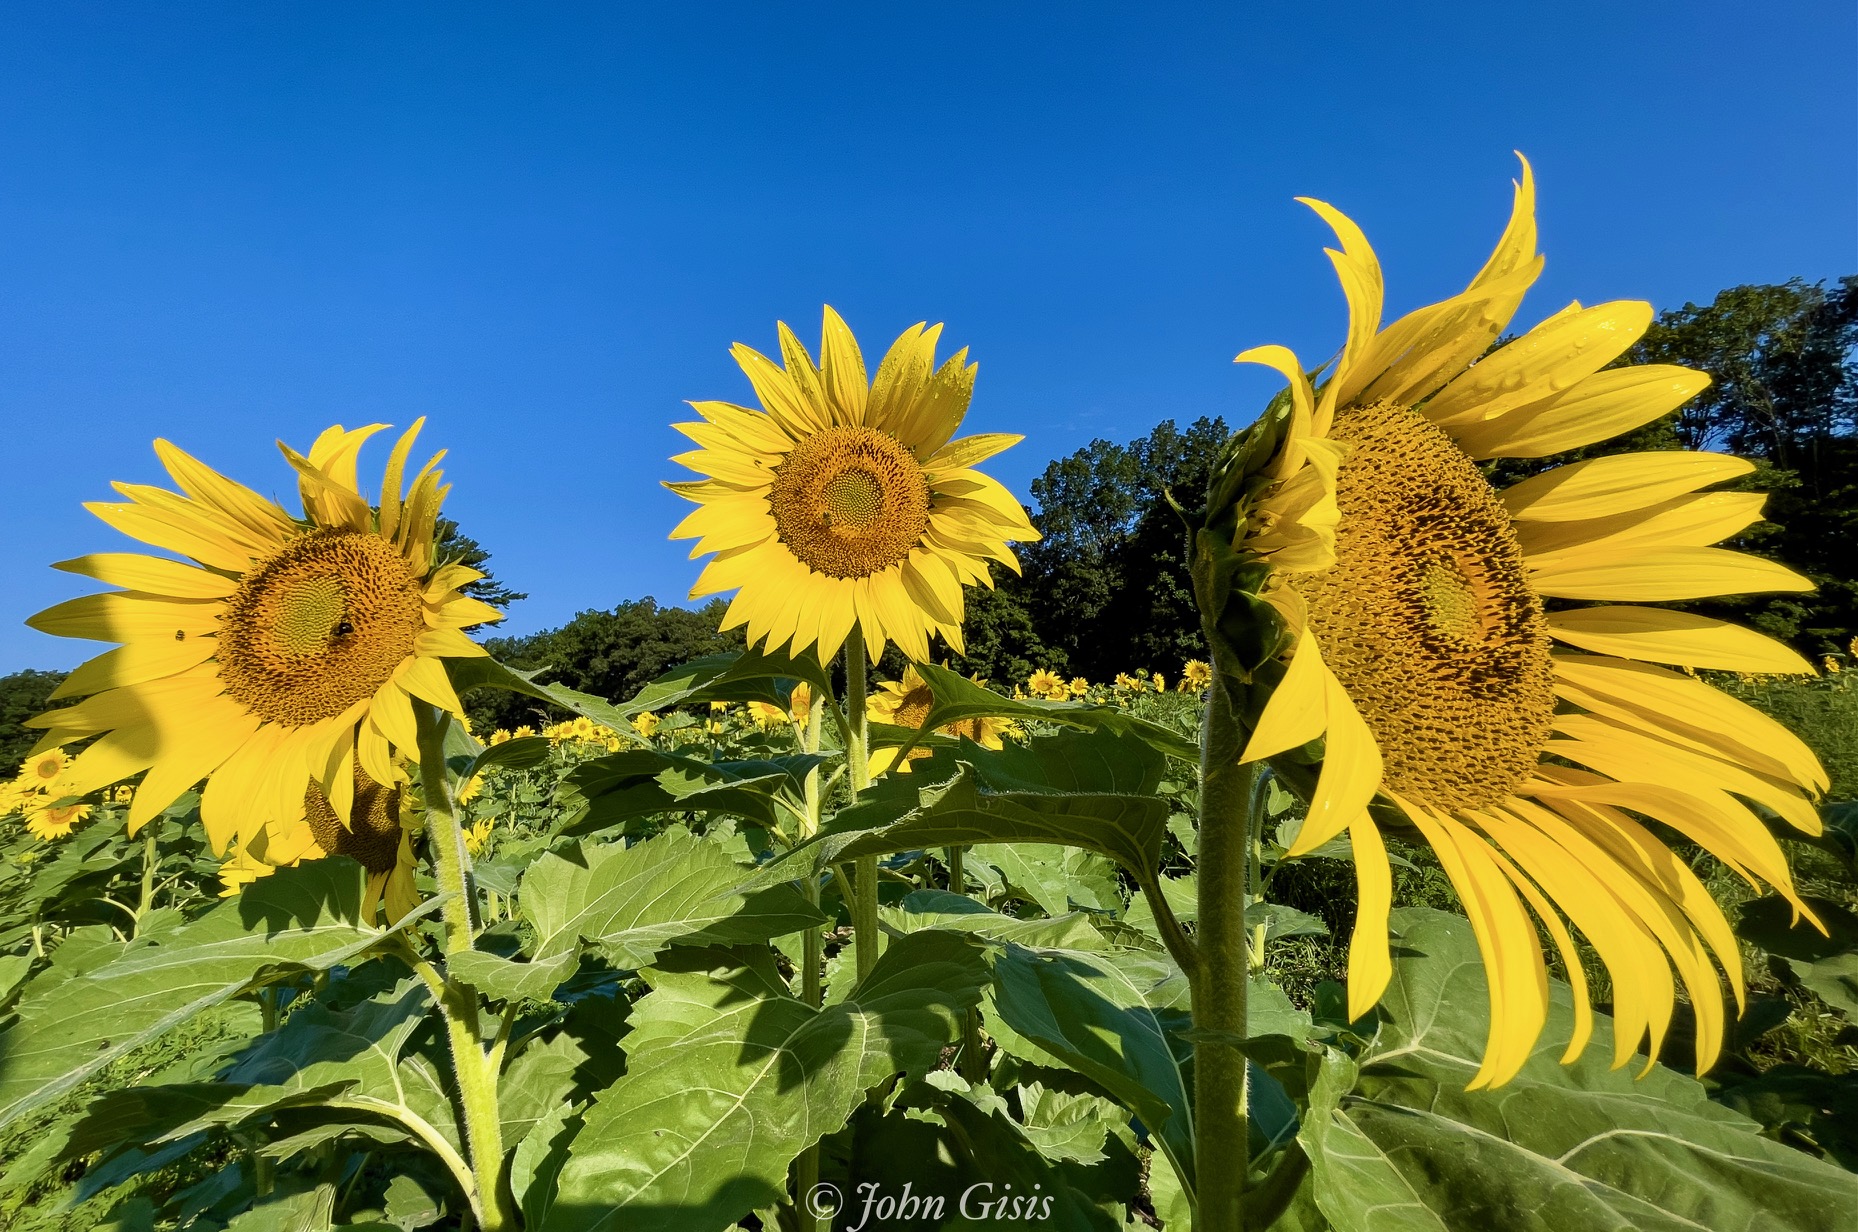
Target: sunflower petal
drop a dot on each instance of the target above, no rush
(1659, 635)
(1604, 405)
(1548, 360)
(842, 368)
(1619, 483)
(153, 575)
(1660, 575)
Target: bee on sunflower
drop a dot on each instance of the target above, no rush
(1483, 666)
(279, 661)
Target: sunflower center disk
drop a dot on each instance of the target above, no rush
(850, 502)
(1426, 617)
(372, 839)
(319, 626)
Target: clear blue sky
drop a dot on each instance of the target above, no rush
(543, 225)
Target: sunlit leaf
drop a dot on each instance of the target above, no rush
(729, 1077)
(629, 903)
(1398, 1144)
(298, 919)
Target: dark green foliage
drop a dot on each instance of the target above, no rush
(22, 695)
(1004, 645)
(1107, 587)
(464, 550)
(609, 654)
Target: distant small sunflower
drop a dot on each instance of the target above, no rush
(845, 503)
(1523, 741)
(48, 822)
(43, 769)
(1043, 683)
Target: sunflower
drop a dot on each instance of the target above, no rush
(477, 835)
(906, 703)
(767, 716)
(377, 835)
(50, 821)
(288, 653)
(847, 505)
(1195, 676)
(800, 704)
(44, 768)
(1528, 744)
(1045, 683)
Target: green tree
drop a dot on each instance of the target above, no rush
(454, 545)
(1003, 644)
(609, 654)
(1108, 584)
(22, 695)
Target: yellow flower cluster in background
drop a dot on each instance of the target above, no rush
(1049, 686)
(36, 794)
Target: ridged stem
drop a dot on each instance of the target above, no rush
(1221, 1128)
(858, 764)
(474, 1069)
(806, 1168)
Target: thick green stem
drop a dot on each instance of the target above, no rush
(264, 1168)
(973, 1062)
(858, 761)
(1221, 1130)
(151, 863)
(474, 1069)
(812, 957)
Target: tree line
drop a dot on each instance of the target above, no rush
(1106, 590)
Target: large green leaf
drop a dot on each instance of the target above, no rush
(1080, 789)
(70, 1026)
(321, 1062)
(739, 676)
(729, 1077)
(486, 672)
(1056, 877)
(1115, 1019)
(1825, 962)
(629, 903)
(958, 699)
(609, 791)
(1398, 1144)
(1122, 1020)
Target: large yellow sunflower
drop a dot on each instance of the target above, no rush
(282, 657)
(906, 703)
(845, 503)
(1445, 650)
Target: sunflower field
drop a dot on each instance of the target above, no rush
(1466, 884)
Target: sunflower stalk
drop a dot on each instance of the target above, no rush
(1218, 980)
(865, 933)
(474, 1069)
(973, 1062)
(806, 1167)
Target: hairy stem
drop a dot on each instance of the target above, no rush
(151, 864)
(1221, 1129)
(858, 761)
(474, 1069)
(973, 1062)
(806, 1168)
